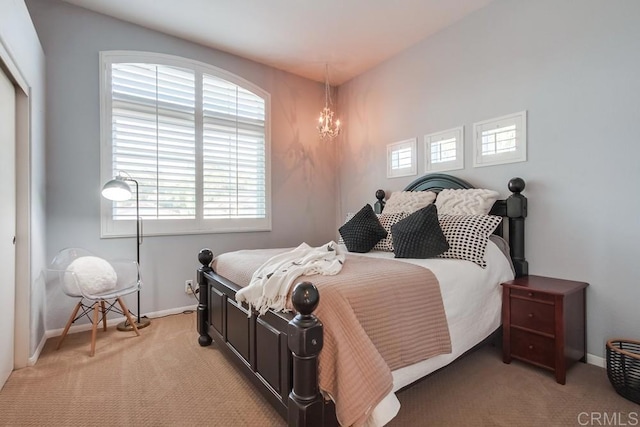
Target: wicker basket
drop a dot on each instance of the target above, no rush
(623, 367)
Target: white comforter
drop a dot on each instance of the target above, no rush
(472, 302)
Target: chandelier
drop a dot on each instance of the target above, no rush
(328, 128)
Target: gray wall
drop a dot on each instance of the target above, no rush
(303, 178)
(574, 67)
(571, 65)
(19, 39)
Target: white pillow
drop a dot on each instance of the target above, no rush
(94, 276)
(474, 201)
(408, 201)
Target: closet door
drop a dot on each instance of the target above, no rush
(7, 224)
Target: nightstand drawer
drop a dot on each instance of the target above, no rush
(543, 322)
(530, 294)
(533, 315)
(533, 348)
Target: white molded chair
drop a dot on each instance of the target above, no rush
(99, 284)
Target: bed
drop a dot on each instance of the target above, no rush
(279, 351)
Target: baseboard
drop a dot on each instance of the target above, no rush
(51, 333)
(36, 354)
(596, 360)
(115, 320)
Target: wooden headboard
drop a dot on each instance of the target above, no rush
(513, 209)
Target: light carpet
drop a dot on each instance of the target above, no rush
(164, 378)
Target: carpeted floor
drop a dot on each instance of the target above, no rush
(164, 378)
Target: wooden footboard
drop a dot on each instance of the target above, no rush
(278, 352)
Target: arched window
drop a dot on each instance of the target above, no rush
(194, 137)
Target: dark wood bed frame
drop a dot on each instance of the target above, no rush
(278, 351)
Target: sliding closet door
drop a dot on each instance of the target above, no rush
(7, 224)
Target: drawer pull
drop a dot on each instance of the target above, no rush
(530, 315)
(531, 347)
(530, 294)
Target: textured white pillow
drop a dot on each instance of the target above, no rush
(408, 201)
(94, 275)
(474, 201)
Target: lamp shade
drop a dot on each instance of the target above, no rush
(116, 190)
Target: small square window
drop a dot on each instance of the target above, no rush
(500, 140)
(444, 151)
(401, 158)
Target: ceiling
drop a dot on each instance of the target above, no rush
(298, 36)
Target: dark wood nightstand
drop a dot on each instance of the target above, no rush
(543, 321)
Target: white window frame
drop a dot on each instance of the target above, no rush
(199, 225)
(434, 138)
(519, 154)
(394, 149)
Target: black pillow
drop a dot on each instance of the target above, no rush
(363, 231)
(419, 235)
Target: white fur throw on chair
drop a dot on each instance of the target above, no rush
(93, 275)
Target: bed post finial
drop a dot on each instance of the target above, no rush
(379, 205)
(516, 185)
(517, 212)
(305, 299)
(205, 256)
(305, 342)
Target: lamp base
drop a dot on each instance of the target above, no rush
(126, 326)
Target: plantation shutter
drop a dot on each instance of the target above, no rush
(443, 150)
(233, 159)
(500, 140)
(196, 139)
(153, 115)
(401, 158)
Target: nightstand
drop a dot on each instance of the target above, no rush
(543, 321)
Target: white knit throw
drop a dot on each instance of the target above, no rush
(270, 284)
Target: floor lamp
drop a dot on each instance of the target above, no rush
(118, 190)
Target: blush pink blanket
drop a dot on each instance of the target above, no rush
(378, 315)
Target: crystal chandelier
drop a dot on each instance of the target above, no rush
(328, 128)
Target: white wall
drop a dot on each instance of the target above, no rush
(303, 184)
(19, 39)
(574, 67)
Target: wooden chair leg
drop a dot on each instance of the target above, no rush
(96, 311)
(129, 318)
(104, 316)
(69, 322)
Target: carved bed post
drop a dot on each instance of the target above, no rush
(517, 212)
(379, 205)
(205, 257)
(305, 406)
